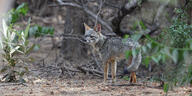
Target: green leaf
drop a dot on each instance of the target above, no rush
(134, 27)
(136, 37)
(156, 59)
(17, 13)
(186, 57)
(30, 49)
(144, 49)
(190, 44)
(126, 36)
(142, 25)
(22, 9)
(14, 49)
(167, 51)
(27, 29)
(126, 78)
(175, 55)
(128, 53)
(38, 31)
(165, 87)
(36, 47)
(149, 45)
(146, 61)
(134, 52)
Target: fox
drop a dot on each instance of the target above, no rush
(112, 50)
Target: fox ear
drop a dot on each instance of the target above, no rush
(97, 28)
(86, 27)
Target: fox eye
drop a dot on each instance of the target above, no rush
(92, 36)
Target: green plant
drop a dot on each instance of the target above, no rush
(15, 14)
(170, 51)
(14, 51)
(126, 78)
(180, 31)
(15, 46)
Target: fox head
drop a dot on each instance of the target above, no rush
(92, 36)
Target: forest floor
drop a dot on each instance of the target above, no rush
(86, 87)
(43, 80)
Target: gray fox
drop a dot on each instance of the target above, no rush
(112, 50)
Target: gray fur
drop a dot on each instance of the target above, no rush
(114, 46)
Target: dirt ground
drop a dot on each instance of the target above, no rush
(87, 87)
(43, 80)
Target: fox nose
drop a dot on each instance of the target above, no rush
(86, 39)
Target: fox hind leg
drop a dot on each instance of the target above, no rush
(113, 70)
(106, 69)
(133, 77)
(133, 74)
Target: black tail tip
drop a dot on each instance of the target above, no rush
(125, 71)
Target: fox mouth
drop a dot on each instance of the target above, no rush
(88, 39)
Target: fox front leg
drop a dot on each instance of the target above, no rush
(106, 69)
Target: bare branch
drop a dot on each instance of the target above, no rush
(100, 7)
(68, 4)
(99, 19)
(88, 12)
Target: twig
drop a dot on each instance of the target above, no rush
(101, 4)
(99, 19)
(11, 84)
(87, 11)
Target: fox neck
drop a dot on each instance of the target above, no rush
(101, 41)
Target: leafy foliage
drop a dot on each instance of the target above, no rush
(15, 46)
(14, 52)
(180, 31)
(171, 50)
(38, 31)
(15, 14)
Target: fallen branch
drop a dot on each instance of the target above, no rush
(12, 84)
(69, 69)
(85, 70)
(135, 84)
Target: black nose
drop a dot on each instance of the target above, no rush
(84, 39)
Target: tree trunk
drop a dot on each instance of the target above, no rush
(73, 49)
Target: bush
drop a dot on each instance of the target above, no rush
(14, 44)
